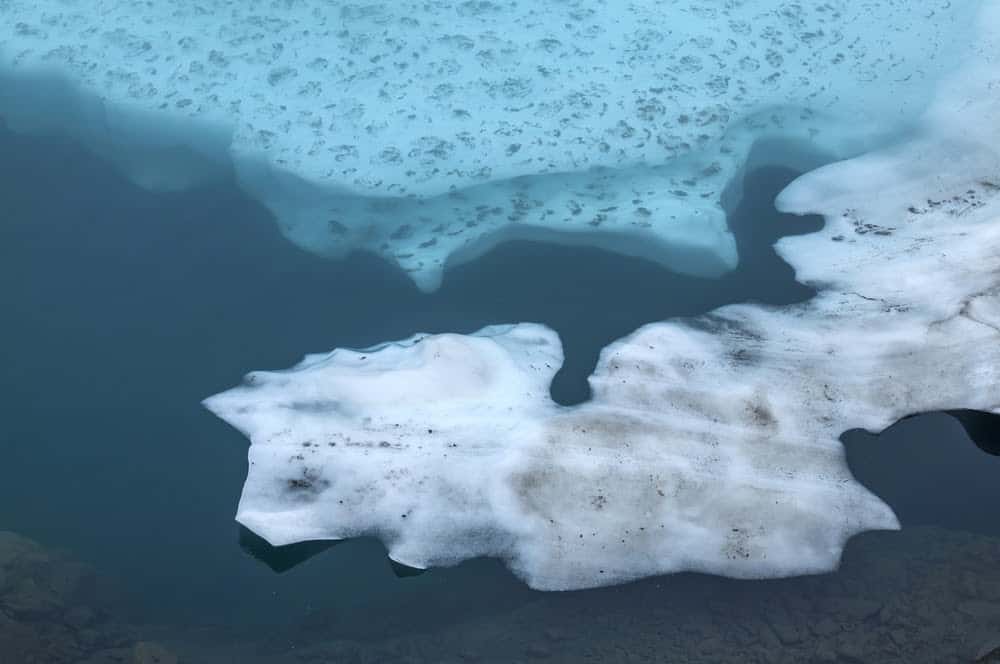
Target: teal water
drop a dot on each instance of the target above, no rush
(122, 309)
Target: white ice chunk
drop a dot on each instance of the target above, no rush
(448, 446)
(710, 444)
(430, 131)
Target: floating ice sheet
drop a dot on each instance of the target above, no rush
(429, 131)
(710, 444)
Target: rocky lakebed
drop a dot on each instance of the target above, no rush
(925, 594)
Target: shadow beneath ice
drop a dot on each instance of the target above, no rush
(931, 468)
(280, 558)
(982, 428)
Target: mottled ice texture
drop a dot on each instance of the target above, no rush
(429, 131)
(710, 444)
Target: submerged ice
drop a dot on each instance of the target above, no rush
(429, 131)
(710, 444)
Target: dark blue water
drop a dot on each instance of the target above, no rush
(123, 309)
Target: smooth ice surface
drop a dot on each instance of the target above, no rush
(710, 444)
(429, 131)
